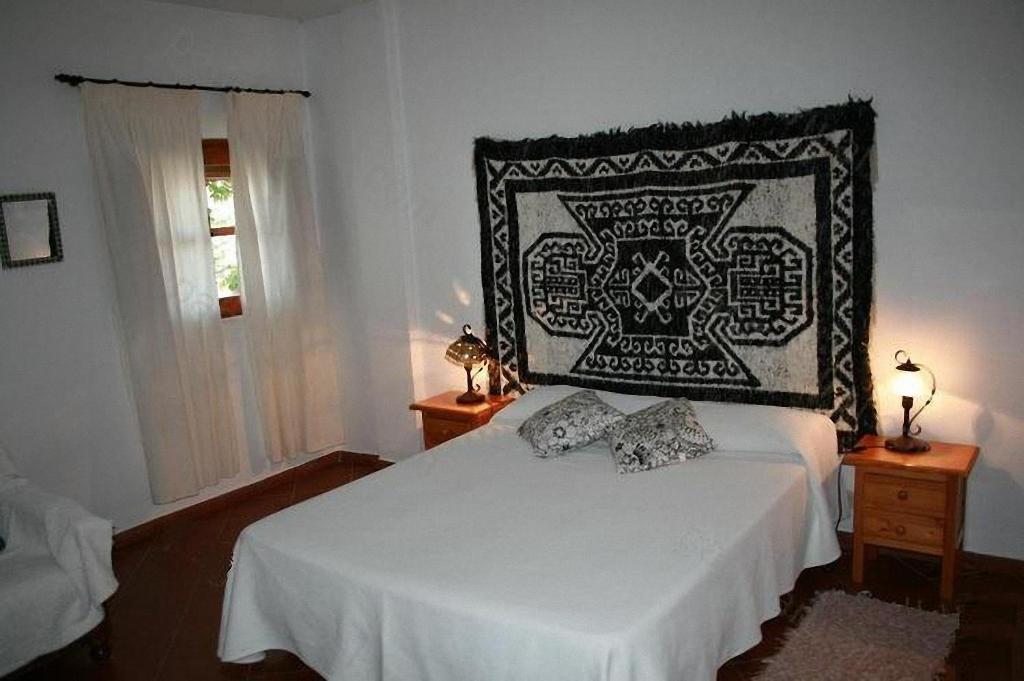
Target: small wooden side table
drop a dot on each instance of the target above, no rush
(913, 502)
(444, 418)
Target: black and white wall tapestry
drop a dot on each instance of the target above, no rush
(730, 261)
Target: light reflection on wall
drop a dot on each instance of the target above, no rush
(431, 373)
(946, 348)
(461, 294)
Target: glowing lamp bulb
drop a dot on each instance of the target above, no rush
(908, 384)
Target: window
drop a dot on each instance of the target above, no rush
(217, 162)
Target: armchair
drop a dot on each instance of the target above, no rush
(55, 571)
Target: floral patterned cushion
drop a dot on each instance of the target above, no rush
(661, 434)
(571, 422)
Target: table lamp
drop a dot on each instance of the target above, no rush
(908, 383)
(468, 351)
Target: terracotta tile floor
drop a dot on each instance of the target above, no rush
(165, 615)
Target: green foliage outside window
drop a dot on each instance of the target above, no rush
(221, 213)
(219, 190)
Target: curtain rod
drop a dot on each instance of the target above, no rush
(75, 81)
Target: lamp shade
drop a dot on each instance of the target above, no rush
(908, 382)
(468, 350)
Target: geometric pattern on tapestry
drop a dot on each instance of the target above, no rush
(727, 262)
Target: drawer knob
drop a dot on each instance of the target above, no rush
(902, 495)
(900, 530)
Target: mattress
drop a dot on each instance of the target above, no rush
(477, 560)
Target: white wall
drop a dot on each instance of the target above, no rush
(64, 409)
(948, 84)
(363, 219)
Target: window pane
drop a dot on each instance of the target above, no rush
(225, 264)
(221, 207)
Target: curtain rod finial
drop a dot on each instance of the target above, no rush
(73, 81)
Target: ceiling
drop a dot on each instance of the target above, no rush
(285, 9)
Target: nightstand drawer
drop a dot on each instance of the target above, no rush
(927, 497)
(911, 531)
(436, 431)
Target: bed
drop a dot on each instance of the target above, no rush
(479, 561)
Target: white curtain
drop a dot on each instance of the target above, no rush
(283, 299)
(146, 150)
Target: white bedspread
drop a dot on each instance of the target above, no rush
(478, 561)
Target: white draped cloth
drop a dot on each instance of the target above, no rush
(283, 298)
(55, 572)
(146, 150)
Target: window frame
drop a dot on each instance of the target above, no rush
(217, 166)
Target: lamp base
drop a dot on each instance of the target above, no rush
(470, 397)
(907, 444)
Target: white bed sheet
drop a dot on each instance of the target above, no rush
(479, 561)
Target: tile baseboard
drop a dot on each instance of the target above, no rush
(147, 529)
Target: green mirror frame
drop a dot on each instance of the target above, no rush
(10, 260)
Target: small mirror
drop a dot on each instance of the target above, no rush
(29, 232)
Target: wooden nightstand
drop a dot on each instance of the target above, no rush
(444, 418)
(913, 502)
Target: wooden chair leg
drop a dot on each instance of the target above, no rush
(99, 639)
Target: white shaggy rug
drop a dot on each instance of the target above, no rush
(857, 638)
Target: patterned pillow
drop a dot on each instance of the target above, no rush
(661, 434)
(571, 422)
